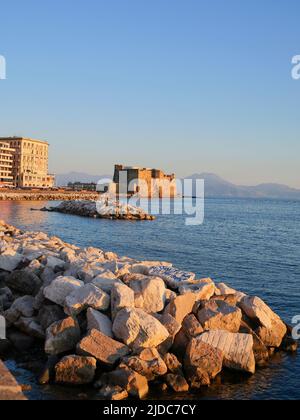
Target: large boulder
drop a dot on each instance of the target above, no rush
(60, 288)
(181, 306)
(173, 364)
(48, 314)
(136, 328)
(62, 336)
(204, 289)
(31, 327)
(121, 297)
(102, 348)
(148, 363)
(172, 326)
(237, 349)
(98, 321)
(75, 370)
(222, 289)
(261, 352)
(177, 383)
(173, 277)
(149, 294)
(202, 362)
(218, 315)
(10, 260)
(88, 296)
(191, 328)
(55, 264)
(271, 328)
(106, 283)
(24, 281)
(23, 306)
(135, 384)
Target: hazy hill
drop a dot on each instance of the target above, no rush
(216, 186)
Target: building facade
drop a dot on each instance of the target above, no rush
(6, 164)
(30, 163)
(146, 182)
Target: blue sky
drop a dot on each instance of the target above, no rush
(185, 85)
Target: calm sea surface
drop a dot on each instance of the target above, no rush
(252, 245)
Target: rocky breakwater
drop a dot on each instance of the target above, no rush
(102, 209)
(24, 195)
(121, 325)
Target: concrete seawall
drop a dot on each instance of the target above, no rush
(10, 390)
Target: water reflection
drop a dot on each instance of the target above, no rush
(20, 212)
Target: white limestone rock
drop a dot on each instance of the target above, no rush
(149, 294)
(137, 329)
(60, 288)
(100, 322)
(121, 297)
(10, 260)
(88, 296)
(272, 330)
(204, 289)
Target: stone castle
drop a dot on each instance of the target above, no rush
(146, 182)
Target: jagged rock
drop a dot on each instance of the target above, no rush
(105, 283)
(88, 296)
(202, 362)
(48, 276)
(75, 370)
(261, 352)
(231, 300)
(148, 363)
(222, 289)
(24, 282)
(218, 315)
(121, 297)
(10, 260)
(135, 384)
(177, 383)
(237, 349)
(203, 290)
(62, 336)
(173, 277)
(173, 364)
(103, 348)
(23, 306)
(60, 288)
(113, 393)
(149, 294)
(172, 327)
(137, 329)
(31, 327)
(49, 314)
(55, 264)
(181, 306)
(271, 330)
(191, 328)
(98, 321)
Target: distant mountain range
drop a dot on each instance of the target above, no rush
(215, 186)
